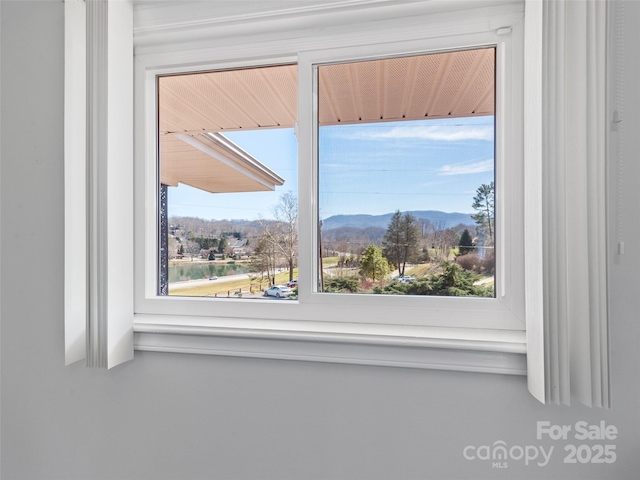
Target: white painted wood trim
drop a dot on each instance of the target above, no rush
(174, 26)
(177, 17)
(504, 340)
(533, 199)
(468, 355)
(248, 41)
(75, 205)
(586, 201)
(120, 183)
(110, 182)
(575, 119)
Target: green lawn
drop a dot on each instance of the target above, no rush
(222, 289)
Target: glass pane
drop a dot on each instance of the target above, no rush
(406, 175)
(228, 183)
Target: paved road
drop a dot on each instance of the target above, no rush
(175, 287)
(205, 281)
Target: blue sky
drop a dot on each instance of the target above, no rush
(364, 168)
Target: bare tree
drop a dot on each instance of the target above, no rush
(191, 248)
(425, 226)
(265, 258)
(282, 233)
(173, 246)
(444, 239)
(343, 250)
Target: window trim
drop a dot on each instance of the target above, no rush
(75, 214)
(489, 351)
(98, 183)
(164, 328)
(502, 312)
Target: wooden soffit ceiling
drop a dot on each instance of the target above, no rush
(432, 86)
(212, 163)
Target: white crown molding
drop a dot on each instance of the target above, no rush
(249, 42)
(151, 16)
(158, 23)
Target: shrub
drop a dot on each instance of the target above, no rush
(471, 262)
(393, 288)
(489, 263)
(342, 285)
(474, 263)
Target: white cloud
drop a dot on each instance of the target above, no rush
(452, 133)
(467, 168)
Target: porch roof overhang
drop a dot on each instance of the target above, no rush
(196, 108)
(212, 163)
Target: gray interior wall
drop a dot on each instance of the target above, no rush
(193, 417)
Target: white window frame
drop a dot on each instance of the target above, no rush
(322, 327)
(505, 312)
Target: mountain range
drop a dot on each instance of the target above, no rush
(437, 218)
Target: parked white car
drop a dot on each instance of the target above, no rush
(277, 291)
(406, 278)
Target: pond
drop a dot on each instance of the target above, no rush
(197, 271)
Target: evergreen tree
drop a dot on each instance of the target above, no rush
(466, 243)
(373, 265)
(484, 204)
(400, 243)
(454, 281)
(222, 244)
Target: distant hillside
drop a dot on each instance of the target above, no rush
(440, 219)
(354, 235)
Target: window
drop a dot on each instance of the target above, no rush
(311, 303)
(405, 170)
(406, 175)
(228, 183)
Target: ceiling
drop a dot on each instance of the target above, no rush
(454, 84)
(229, 100)
(440, 85)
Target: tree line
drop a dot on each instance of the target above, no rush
(401, 245)
(275, 241)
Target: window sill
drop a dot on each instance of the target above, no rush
(465, 350)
